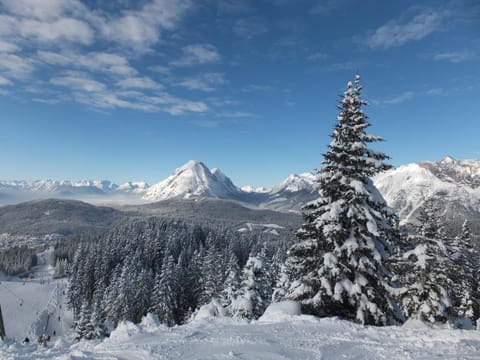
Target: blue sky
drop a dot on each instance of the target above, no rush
(130, 90)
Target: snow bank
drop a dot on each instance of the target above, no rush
(281, 311)
(124, 331)
(212, 310)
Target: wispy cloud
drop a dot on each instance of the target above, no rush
(401, 98)
(78, 81)
(205, 82)
(7, 47)
(94, 61)
(399, 32)
(198, 54)
(4, 81)
(65, 29)
(409, 95)
(142, 28)
(16, 66)
(43, 9)
(139, 83)
(258, 87)
(453, 56)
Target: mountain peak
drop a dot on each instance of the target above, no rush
(447, 160)
(193, 179)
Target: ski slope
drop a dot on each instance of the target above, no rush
(36, 305)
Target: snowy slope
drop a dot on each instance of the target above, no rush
(277, 338)
(33, 306)
(193, 179)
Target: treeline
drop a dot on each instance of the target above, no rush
(169, 268)
(17, 260)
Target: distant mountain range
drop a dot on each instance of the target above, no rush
(455, 184)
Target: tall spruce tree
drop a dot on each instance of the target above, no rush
(337, 266)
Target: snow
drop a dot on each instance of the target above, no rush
(268, 228)
(33, 305)
(281, 310)
(286, 335)
(211, 310)
(258, 190)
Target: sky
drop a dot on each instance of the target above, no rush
(130, 90)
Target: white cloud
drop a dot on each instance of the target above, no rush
(8, 25)
(42, 9)
(453, 57)
(205, 82)
(78, 81)
(16, 66)
(4, 81)
(181, 107)
(198, 54)
(139, 83)
(65, 29)
(394, 33)
(142, 28)
(407, 95)
(7, 47)
(94, 61)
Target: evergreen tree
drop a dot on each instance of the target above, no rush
(249, 303)
(83, 327)
(465, 260)
(337, 266)
(425, 269)
(164, 300)
(232, 281)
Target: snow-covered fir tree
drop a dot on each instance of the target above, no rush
(83, 327)
(164, 299)
(232, 280)
(249, 303)
(465, 259)
(337, 266)
(424, 269)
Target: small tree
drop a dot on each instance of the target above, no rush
(337, 266)
(249, 303)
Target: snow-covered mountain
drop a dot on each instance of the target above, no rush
(193, 179)
(292, 193)
(453, 183)
(16, 191)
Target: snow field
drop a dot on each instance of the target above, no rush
(280, 334)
